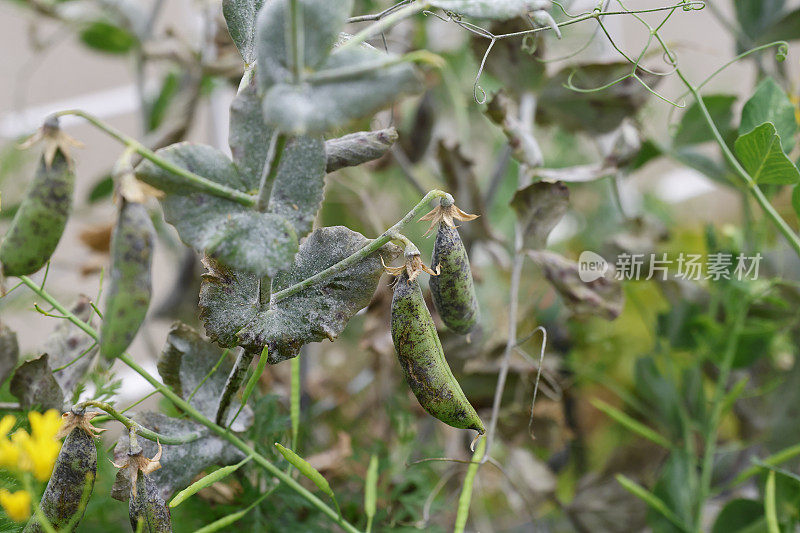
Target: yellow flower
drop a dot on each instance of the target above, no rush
(44, 426)
(17, 505)
(6, 423)
(40, 456)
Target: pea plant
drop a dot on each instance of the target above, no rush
(277, 279)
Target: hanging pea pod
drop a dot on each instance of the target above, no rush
(129, 294)
(422, 359)
(148, 507)
(67, 493)
(39, 223)
(453, 290)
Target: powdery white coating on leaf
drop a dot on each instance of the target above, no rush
(321, 23)
(316, 107)
(198, 158)
(34, 385)
(180, 463)
(67, 343)
(249, 136)
(228, 301)
(261, 243)
(539, 208)
(358, 148)
(320, 311)
(299, 186)
(240, 15)
(492, 9)
(9, 352)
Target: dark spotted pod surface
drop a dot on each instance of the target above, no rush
(453, 290)
(129, 292)
(39, 223)
(75, 467)
(147, 505)
(422, 359)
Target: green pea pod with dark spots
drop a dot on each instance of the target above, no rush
(422, 359)
(453, 290)
(67, 492)
(148, 507)
(40, 220)
(129, 293)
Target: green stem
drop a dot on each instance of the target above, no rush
(707, 465)
(195, 180)
(381, 25)
(296, 40)
(370, 248)
(197, 415)
(294, 401)
(270, 171)
(762, 200)
(140, 429)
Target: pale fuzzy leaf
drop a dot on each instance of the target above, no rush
(602, 297)
(358, 148)
(68, 342)
(34, 385)
(240, 16)
(321, 23)
(298, 188)
(261, 243)
(180, 463)
(576, 174)
(316, 107)
(761, 155)
(492, 9)
(770, 103)
(198, 158)
(539, 208)
(9, 352)
(249, 136)
(321, 311)
(229, 299)
(504, 112)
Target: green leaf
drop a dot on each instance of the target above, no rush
(180, 463)
(306, 469)
(740, 516)
(320, 22)
(491, 9)
(106, 37)
(693, 128)
(260, 243)
(770, 103)
(796, 200)
(650, 499)
(770, 510)
(102, 189)
(677, 487)
(761, 155)
(352, 84)
(594, 112)
(255, 376)
(785, 29)
(631, 424)
(371, 489)
(755, 16)
(170, 87)
(321, 311)
(297, 192)
(240, 15)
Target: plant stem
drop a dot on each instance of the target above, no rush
(294, 400)
(270, 171)
(707, 465)
(296, 38)
(758, 194)
(373, 246)
(140, 429)
(383, 24)
(197, 415)
(195, 180)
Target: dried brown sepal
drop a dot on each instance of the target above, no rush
(134, 190)
(446, 214)
(413, 267)
(83, 420)
(129, 469)
(54, 140)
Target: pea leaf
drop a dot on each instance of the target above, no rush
(755, 16)
(249, 136)
(105, 37)
(9, 352)
(34, 385)
(358, 148)
(785, 29)
(319, 23)
(491, 9)
(67, 343)
(693, 128)
(321, 311)
(539, 208)
(761, 155)
(240, 15)
(740, 516)
(197, 371)
(352, 84)
(180, 463)
(229, 299)
(261, 243)
(770, 103)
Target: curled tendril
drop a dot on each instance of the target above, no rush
(783, 52)
(693, 5)
(529, 44)
(477, 91)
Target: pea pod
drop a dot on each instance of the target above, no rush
(129, 294)
(39, 223)
(422, 359)
(148, 507)
(64, 499)
(453, 290)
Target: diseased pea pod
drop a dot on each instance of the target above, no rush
(63, 501)
(148, 507)
(129, 293)
(39, 223)
(453, 290)
(422, 359)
